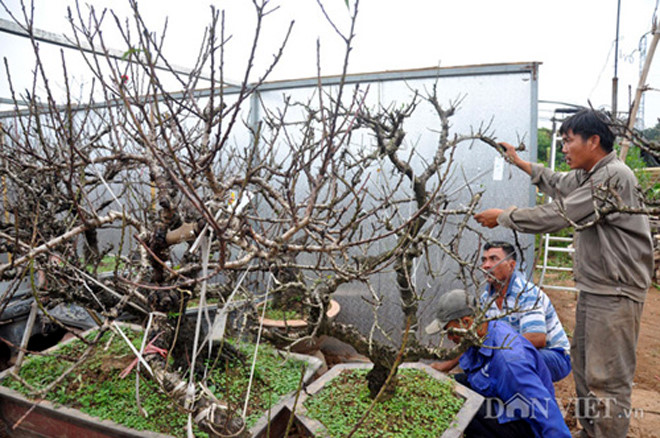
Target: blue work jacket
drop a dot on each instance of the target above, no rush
(508, 369)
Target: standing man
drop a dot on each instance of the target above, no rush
(613, 264)
(534, 317)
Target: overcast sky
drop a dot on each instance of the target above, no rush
(573, 39)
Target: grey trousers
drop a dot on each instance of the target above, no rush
(603, 356)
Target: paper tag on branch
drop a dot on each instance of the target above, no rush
(498, 169)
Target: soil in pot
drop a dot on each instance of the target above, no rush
(421, 406)
(97, 390)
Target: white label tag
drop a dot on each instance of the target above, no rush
(498, 169)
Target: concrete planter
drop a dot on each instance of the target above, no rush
(314, 428)
(276, 426)
(45, 420)
(293, 324)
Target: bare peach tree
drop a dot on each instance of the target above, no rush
(204, 200)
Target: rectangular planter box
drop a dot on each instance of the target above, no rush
(472, 402)
(45, 420)
(277, 424)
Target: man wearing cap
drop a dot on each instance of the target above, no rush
(506, 369)
(513, 297)
(524, 306)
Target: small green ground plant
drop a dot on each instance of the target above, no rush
(96, 389)
(277, 313)
(109, 263)
(421, 407)
(274, 377)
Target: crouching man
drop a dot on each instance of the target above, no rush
(506, 369)
(525, 307)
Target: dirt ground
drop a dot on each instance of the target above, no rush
(646, 387)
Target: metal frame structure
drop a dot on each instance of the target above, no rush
(10, 27)
(290, 84)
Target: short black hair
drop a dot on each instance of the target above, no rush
(588, 122)
(508, 249)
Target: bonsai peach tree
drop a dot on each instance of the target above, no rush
(202, 199)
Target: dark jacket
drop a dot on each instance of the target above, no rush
(613, 256)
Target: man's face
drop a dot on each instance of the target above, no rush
(457, 323)
(577, 150)
(498, 266)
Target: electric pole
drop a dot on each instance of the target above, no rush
(615, 79)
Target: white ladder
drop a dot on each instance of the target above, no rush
(548, 240)
(547, 248)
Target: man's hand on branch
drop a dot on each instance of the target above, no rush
(488, 218)
(512, 157)
(509, 152)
